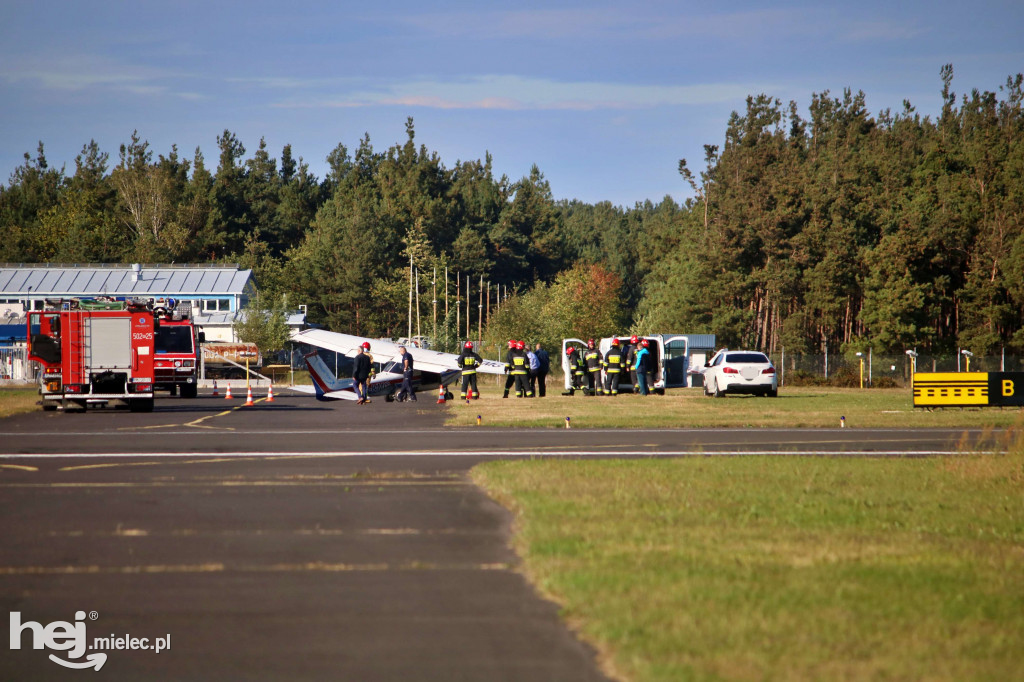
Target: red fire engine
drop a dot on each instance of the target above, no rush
(94, 351)
(176, 364)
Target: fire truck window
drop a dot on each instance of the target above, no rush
(46, 348)
(171, 339)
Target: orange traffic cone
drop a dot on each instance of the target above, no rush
(215, 393)
(440, 394)
(227, 396)
(270, 394)
(248, 399)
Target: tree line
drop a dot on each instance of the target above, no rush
(844, 229)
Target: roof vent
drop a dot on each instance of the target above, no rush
(136, 272)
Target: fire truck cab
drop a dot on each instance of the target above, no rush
(176, 363)
(92, 352)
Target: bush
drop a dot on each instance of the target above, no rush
(800, 377)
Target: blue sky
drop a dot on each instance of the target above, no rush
(604, 98)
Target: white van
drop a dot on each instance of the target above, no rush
(670, 354)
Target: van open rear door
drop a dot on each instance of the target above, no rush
(581, 345)
(673, 362)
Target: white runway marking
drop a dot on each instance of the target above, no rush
(695, 452)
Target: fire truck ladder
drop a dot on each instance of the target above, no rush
(81, 346)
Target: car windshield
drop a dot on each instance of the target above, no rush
(173, 339)
(759, 358)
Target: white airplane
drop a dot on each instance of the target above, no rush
(431, 368)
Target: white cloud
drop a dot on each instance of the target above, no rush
(522, 93)
(78, 73)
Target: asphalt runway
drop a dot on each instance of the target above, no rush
(304, 540)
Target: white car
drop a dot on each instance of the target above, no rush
(740, 371)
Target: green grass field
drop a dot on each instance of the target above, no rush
(18, 400)
(780, 568)
(689, 408)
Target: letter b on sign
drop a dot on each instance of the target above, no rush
(1002, 388)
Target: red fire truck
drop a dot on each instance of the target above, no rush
(176, 364)
(93, 351)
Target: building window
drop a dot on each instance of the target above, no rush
(216, 305)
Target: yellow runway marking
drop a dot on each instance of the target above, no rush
(303, 532)
(196, 423)
(107, 466)
(205, 460)
(20, 467)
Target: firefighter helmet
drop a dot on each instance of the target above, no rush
(511, 344)
(366, 345)
(570, 350)
(634, 339)
(590, 343)
(615, 340)
(644, 343)
(468, 345)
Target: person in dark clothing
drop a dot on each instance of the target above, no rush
(544, 366)
(613, 368)
(520, 370)
(509, 379)
(592, 358)
(468, 362)
(361, 371)
(577, 370)
(630, 353)
(406, 392)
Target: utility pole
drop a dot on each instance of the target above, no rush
(480, 315)
(409, 334)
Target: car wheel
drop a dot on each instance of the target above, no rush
(773, 393)
(719, 393)
(706, 391)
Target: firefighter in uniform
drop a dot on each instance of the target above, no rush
(520, 371)
(629, 361)
(576, 370)
(613, 367)
(592, 359)
(468, 362)
(508, 367)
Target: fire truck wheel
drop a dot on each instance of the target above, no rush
(49, 406)
(174, 389)
(141, 405)
(189, 390)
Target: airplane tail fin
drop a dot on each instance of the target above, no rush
(323, 378)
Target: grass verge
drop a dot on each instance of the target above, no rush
(781, 568)
(689, 408)
(18, 400)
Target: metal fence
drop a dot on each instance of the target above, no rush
(881, 370)
(15, 366)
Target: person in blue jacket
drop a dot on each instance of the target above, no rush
(642, 367)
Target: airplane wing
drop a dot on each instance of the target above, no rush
(345, 394)
(384, 351)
